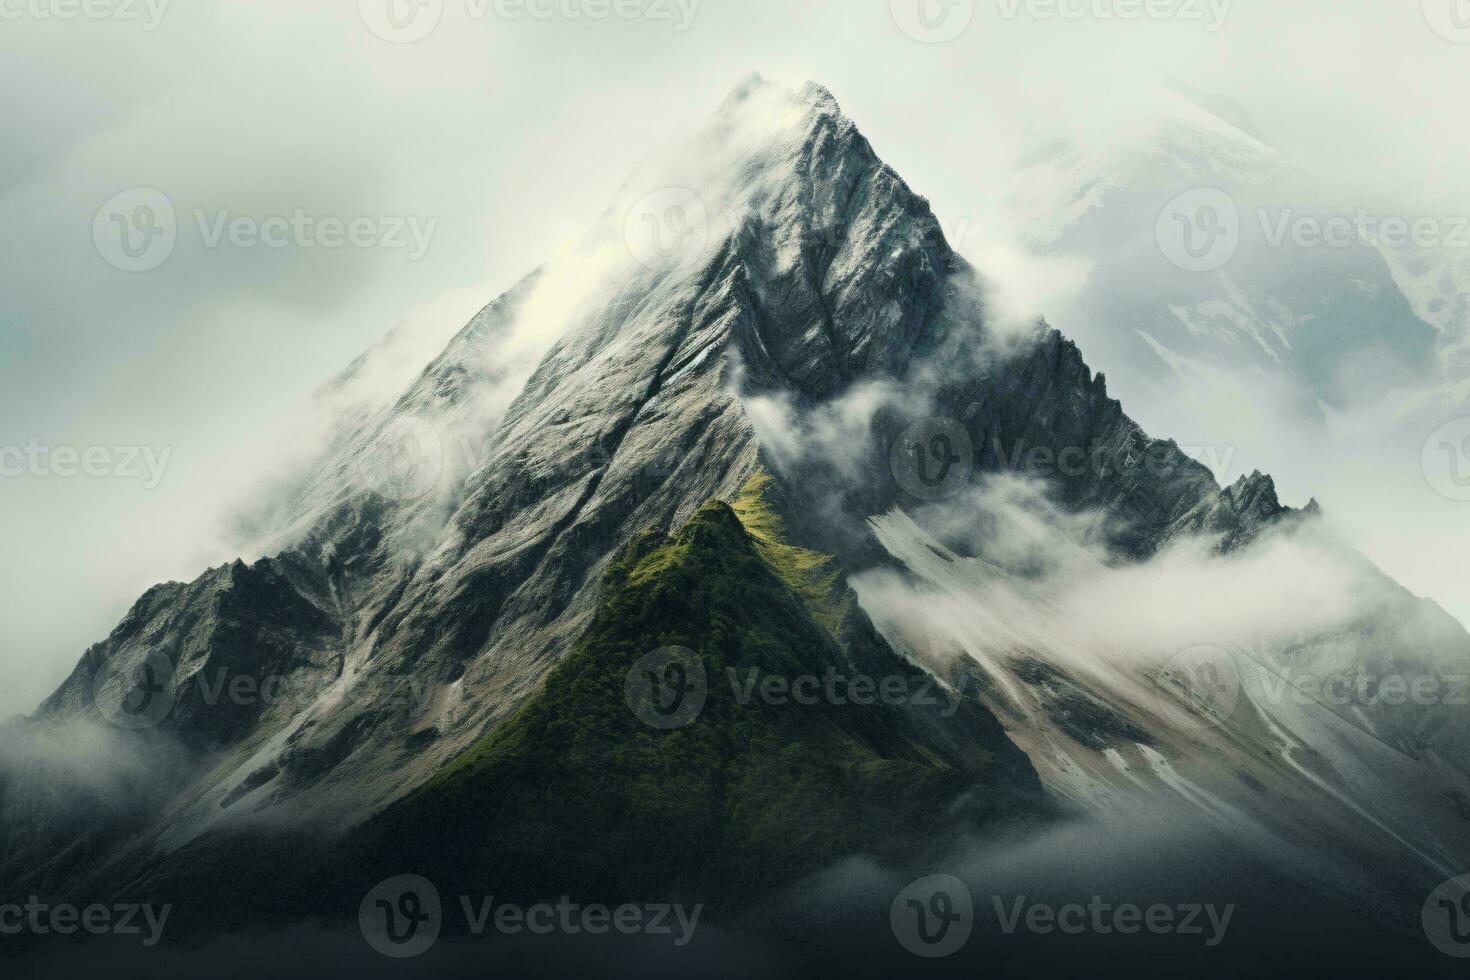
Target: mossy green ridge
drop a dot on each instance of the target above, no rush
(575, 795)
(815, 577)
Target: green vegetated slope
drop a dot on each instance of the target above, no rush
(815, 578)
(576, 795)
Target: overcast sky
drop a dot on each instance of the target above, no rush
(498, 137)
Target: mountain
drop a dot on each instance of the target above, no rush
(762, 415)
(754, 792)
(1263, 314)
(1322, 317)
(742, 790)
(412, 614)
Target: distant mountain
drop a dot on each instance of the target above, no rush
(1328, 320)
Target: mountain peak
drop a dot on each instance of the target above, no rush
(818, 96)
(755, 86)
(831, 291)
(766, 135)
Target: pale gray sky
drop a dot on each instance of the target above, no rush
(511, 133)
